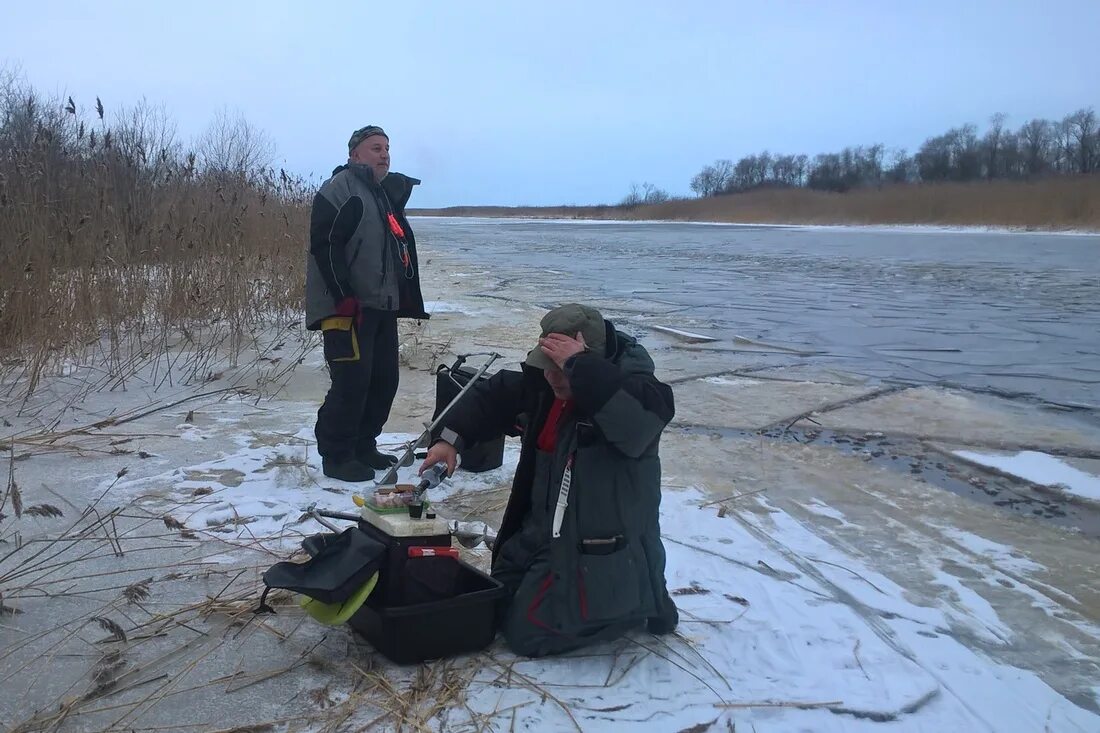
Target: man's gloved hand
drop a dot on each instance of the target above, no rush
(348, 307)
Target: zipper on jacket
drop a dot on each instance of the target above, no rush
(383, 286)
(561, 502)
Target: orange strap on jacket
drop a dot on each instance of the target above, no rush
(395, 226)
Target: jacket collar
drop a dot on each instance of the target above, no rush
(398, 186)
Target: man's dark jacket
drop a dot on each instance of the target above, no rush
(605, 572)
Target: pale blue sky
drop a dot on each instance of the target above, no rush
(567, 102)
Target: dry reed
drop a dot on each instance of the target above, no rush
(121, 247)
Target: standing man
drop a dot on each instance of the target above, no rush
(362, 275)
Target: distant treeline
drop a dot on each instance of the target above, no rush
(1037, 149)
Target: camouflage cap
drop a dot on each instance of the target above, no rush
(363, 133)
(570, 319)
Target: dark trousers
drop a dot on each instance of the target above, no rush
(358, 402)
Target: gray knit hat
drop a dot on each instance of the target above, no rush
(363, 133)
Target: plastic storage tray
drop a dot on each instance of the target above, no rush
(452, 611)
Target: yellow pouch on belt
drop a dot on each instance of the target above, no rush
(340, 341)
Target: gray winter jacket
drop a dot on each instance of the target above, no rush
(354, 250)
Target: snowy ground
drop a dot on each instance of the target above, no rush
(781, 630)
(821, 587)
(762, 574)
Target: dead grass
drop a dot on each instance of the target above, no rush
(1049, 204)
(121, 246)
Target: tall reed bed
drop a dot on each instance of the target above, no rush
(118, 242)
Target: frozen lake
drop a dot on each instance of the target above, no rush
(1013, 312)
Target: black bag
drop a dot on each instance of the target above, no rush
(479, 457)
(339, 565)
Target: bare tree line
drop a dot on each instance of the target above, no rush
(646, 193)
(1037, 148)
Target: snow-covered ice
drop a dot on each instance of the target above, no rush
(1041, 468)
(779, 628)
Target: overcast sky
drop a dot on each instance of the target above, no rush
(567, 102)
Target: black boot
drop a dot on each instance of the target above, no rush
(351, 470)
(378, 461)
